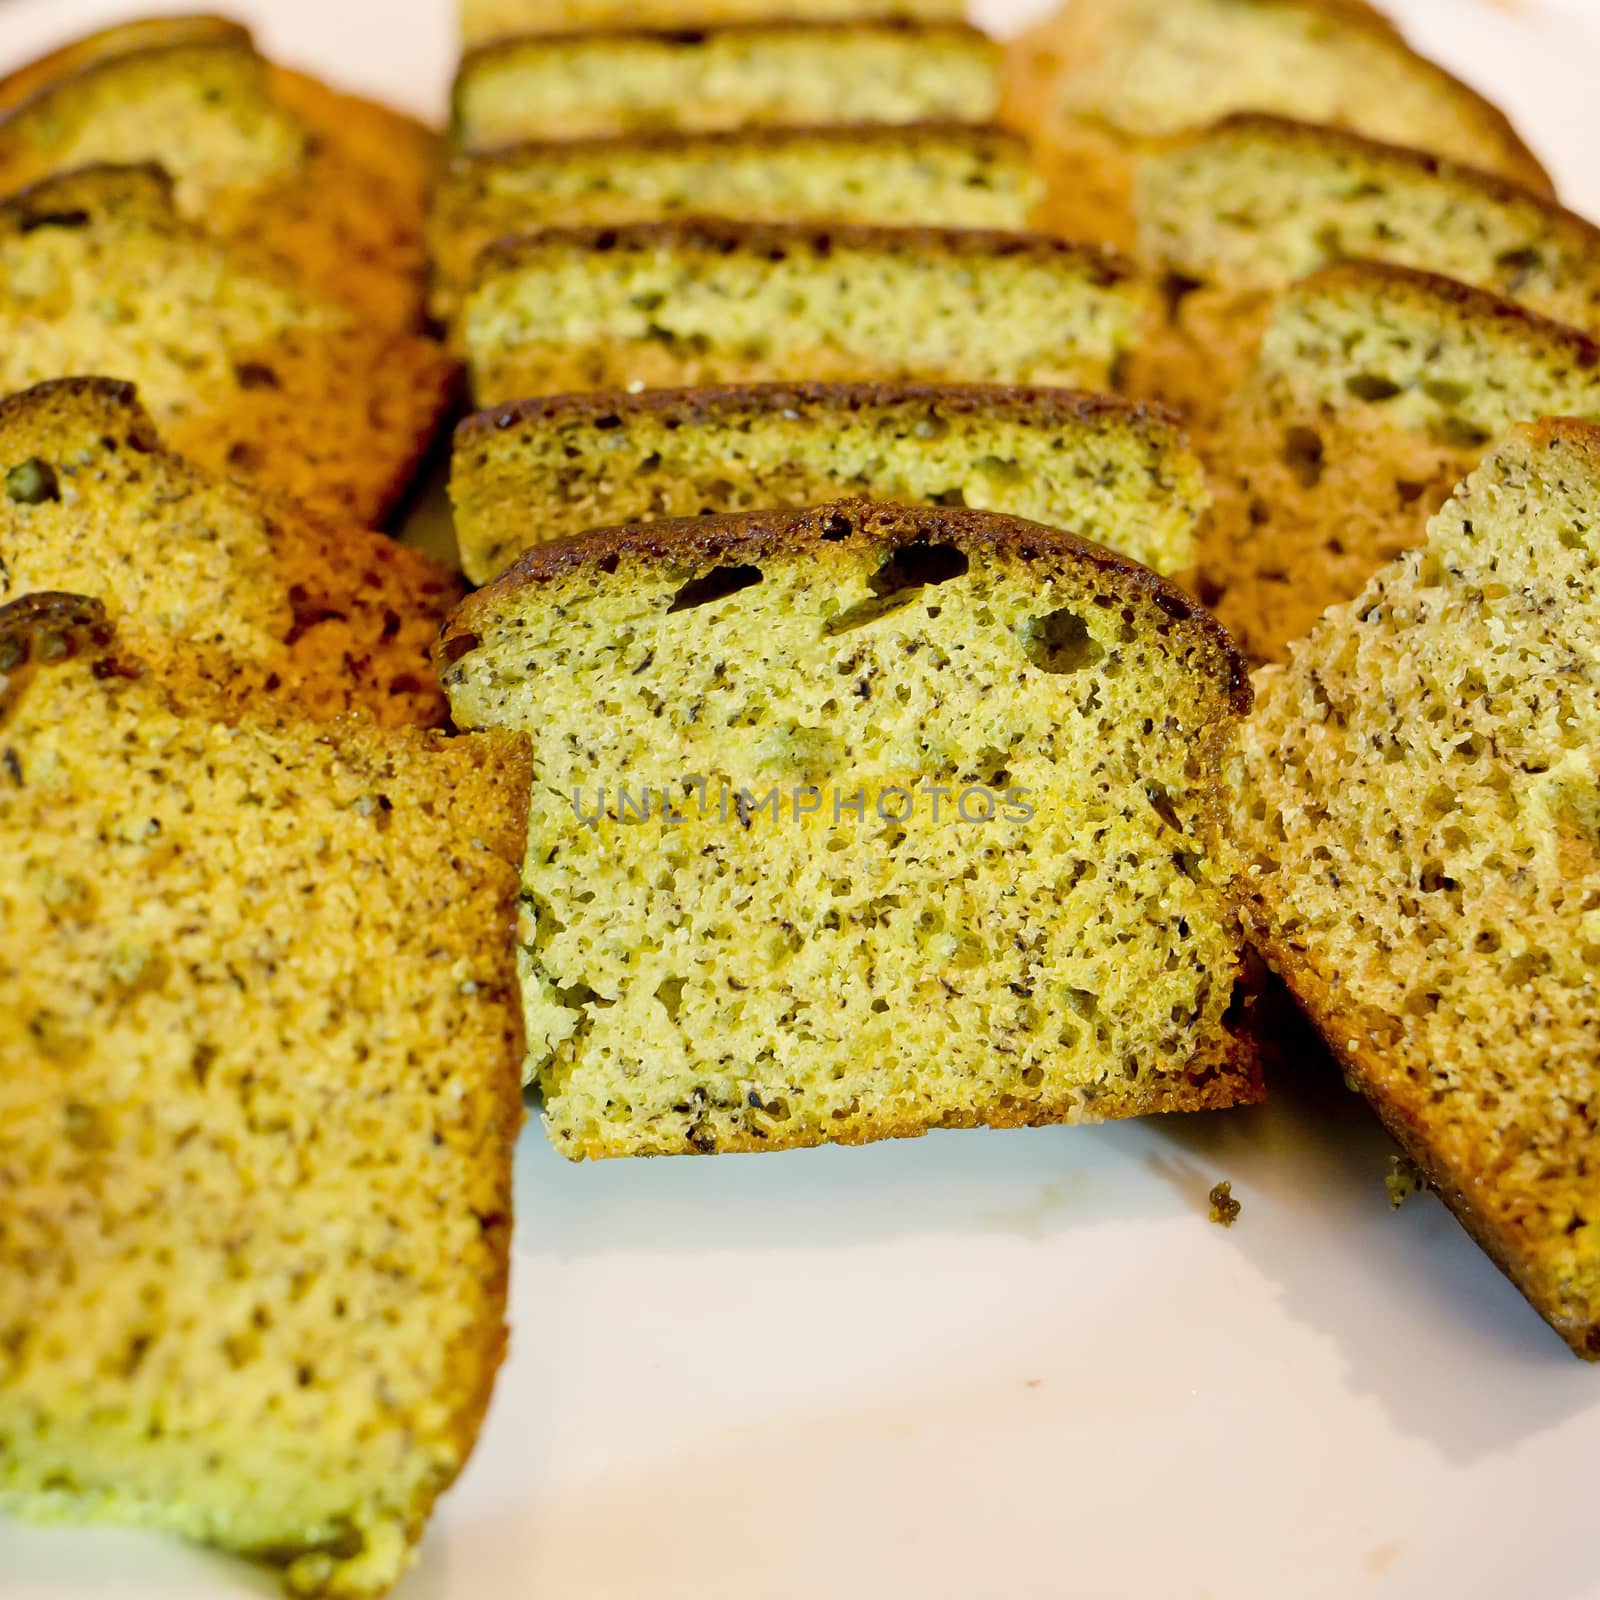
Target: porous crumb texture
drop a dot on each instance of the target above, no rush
(206, 578)
(486, 20)
(577, 86)
(245, 370)
(1230, 216)
(1421, 818)
(1374, 391)
(700, 301)
(541, 470)
(955, 175)
(1104, 80)
(258, 1095)
(820, 947)
(332, 186)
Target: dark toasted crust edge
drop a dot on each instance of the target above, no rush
(1275, 129)
(727, 237)
(762, 535)
(1480, 307)
(776, 27)
(713, 402)
(767, 135)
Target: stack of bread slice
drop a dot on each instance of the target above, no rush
(726, 276)
(254, 1263)
(1360, 309)
(1106, 81)
(333, 186)
(613, 187)
(254, 1254)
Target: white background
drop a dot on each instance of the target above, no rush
(1018, 1364)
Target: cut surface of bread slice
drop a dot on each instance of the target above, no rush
(208, 579)
(485, 20)
(1420, 806)
(676, 304)
(335, 187)
(1101, 81)
(1232, 215)
(543, 469)
(812, 934)
(244, 369)
(956, 175)
(1375, 390)
(577, 86)
(259, 1045)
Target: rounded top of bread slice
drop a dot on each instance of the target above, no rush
(837, 534)
(1258, 200)
(1150, 68)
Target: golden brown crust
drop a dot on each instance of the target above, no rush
(1275, 129)
(726, 237)
(345, 214)
(1347, 1041)
(317, 617)
(1482, 309)
(716, 401)
(892, 134)
(846, 27)
(758, 534)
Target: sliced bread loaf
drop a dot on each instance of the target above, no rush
(259, 1040)
(542, 469)
(244, 369)
(1106, 79)
(210, 579)
(786, 920)
(703, 301)
(1230, 216)
(956, 175)
(740, 75)
(334, 186)
(486, 20)
(1421, 808)
(1374, 391)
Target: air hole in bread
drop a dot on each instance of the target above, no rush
(32, 483)
(454, 648)
(717, 584)
(54, 219)
(1060, 642)
(1303, 454)
(913, 566)
(1372, 386)
(256, 375)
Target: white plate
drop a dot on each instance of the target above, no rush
(1018, 1364)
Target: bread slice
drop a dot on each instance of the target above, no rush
(543, 469)
(1230, 216)
(956, 175)
(820, 939)
(210, 579)
(1375, 390)
(1105, 80)
(333, 185)
(1420, 801)
(253, 1274)
(705, 301)
(245, 370)
(739, 75)
(486, 20)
